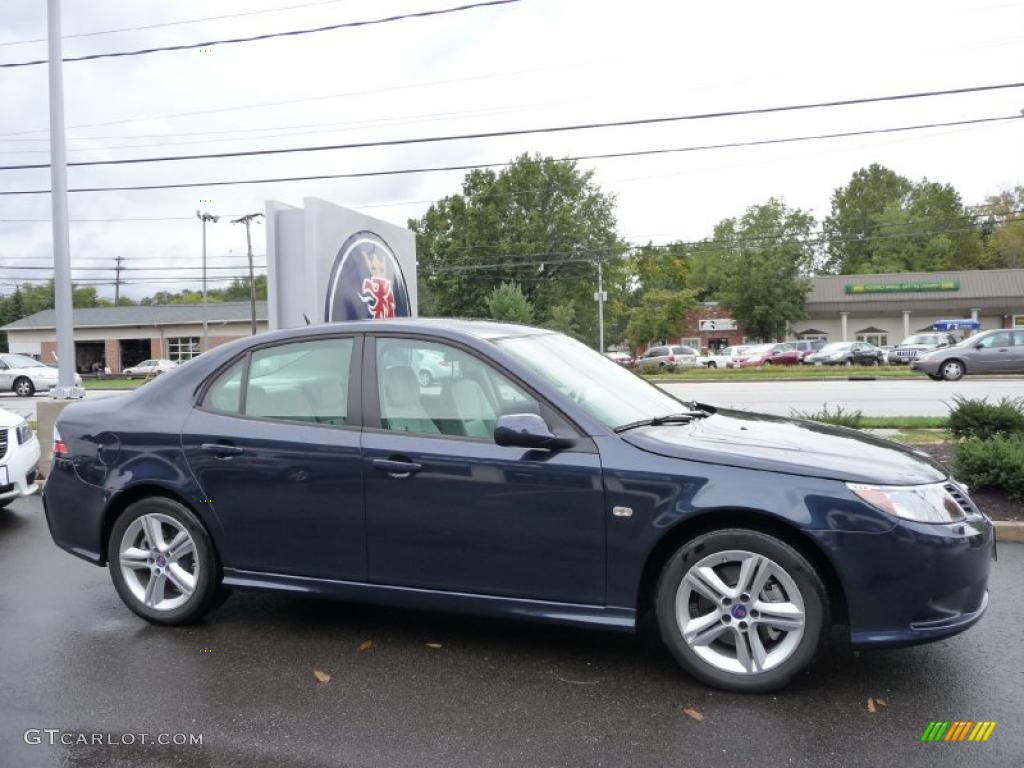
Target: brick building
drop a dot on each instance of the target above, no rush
(118, 337)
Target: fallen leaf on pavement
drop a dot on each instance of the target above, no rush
(365, 645)
(696, 714)
(433, 645)
(871, 705)
(882, 702)
(321, 677)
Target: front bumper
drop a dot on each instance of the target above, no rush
(22, 462)
(915, 583)
(926, 366)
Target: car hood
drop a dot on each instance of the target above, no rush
(9, 419)
(777, 444)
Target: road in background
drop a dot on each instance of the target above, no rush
(491, 693)
(882, 397)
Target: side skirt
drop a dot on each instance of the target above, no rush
(598, 616)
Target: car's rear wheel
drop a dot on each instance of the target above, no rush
(712, 364)
(952, 370)
(23, 387)
(163, 563)
(741, 610)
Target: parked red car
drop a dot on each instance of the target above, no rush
(769, 354)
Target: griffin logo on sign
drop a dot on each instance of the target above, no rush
(366, 281)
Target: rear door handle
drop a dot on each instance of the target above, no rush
(222, 450)
(397, 468)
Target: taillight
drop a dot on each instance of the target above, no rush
(59, 449)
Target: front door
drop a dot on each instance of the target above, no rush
(991, 354)
(274, 446)
(448, 509)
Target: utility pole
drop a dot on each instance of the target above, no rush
(62, 302)
(247, 220)
(205, 217)
(117, 278)
(600, 297)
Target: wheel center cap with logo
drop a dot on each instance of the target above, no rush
(366, 281)
(161, 561)
(739, 612)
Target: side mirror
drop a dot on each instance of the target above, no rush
(528, 430)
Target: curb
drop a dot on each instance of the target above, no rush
(1009, 532)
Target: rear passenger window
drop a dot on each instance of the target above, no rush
(306, 381)
(226, 392)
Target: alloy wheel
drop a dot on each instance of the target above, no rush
(952, 370)
(23, 387)
(158, 562)
(740, 612)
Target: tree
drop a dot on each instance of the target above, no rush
(1002, 228)
(562, 318)
(508, 304)
(764, 258)
(853, 217)
(541, 223)
(659, 316)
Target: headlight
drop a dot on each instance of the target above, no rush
(922, 503)
(24, 433)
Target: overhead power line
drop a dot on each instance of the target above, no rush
(266, 35)
(541, 130)
(472, 166)
(161, 25)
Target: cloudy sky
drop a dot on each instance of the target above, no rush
(529, 64)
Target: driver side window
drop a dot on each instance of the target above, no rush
(1001, 339)
(429, 388)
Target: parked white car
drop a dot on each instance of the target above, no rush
(19, 458)
(25, 375)
(724, 358)
(149, 368)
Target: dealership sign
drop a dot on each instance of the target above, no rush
(922, 286)
(326, 263)
(717, 324)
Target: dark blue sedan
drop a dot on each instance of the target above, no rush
(535, 479)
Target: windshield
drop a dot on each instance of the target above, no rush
(22, 361)
(836, 346)
(924, 338)
(606, 391)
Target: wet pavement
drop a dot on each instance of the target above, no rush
(494, 693)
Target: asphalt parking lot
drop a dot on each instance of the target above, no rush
(488, 693)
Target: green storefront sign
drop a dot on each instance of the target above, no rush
(924, 286)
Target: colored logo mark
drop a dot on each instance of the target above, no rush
(958, 730)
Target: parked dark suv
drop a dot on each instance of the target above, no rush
(538, 480)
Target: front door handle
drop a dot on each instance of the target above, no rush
(222, 450)
(396, 467)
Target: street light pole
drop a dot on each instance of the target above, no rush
(205, 217)
(62, 301)
(600, 298)
(247, 220)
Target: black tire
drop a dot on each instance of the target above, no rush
(803, 574)
(5, 502)
(23, 387)
(848, 361)
(208, 592)
(934, 377)
(952, 369)
(712, 364)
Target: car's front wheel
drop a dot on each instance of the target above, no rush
(952, 370)
(23, 387)
(741, 610)
(163, 563)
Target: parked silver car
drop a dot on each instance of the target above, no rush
(25, 375)
(999, 351)
(917, 345)
(668, 358)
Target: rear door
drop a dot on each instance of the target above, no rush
(275, 446)
(1017, 353)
